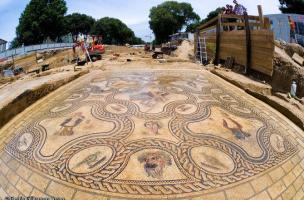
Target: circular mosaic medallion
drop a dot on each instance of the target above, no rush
(185, 109)
(90, 159)
(116, 108)
(277, 143)
(212, 160)
(25, 141)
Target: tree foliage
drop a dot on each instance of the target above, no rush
(169, 18)
(212, 14)
(114, 31)
(79, 23)
(43, 19)
(192, 27)
(40, 20)
(292, 6)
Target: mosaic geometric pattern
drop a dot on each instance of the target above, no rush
(151, 133)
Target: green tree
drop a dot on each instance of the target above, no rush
(40, 20)
(169, 18)
(137, 40)
(14, 44)
(79, 23)
(292, 6)
(114, 31)
(212, 14)
(192, 27)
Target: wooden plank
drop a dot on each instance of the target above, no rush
(267, 23)
(257, 65)
(259, 61)
(263, 45)
(256, 55)
(257, 41)
(241, 24)
(209, 37)
(251, 17)
(265, 66)
(242, 37)
(233, 24)
(233, 44)
(218, 39)
(261, 16)
(262, 69)
(209, 23)
(262, 66)
(208, 29)
(259, 55)
(248, 43)
(241, 32)
(209, 34)
(242, 48)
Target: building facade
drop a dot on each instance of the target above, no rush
(182, 36)
(2, 45)
(280, 24)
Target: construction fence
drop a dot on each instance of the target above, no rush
(40, 47)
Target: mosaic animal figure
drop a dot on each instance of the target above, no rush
(237, 130)
(153, 127)
(212, 162)
(91, 160)
(69, 124)
(150, 98)
(184, 108)
(155, 162)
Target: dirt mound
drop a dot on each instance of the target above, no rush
(291, 49)
(110, 49)
(55, 59)
(286, 70)
(185, 51)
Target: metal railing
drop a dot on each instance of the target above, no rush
(40, 47)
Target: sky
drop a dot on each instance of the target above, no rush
(134, 13)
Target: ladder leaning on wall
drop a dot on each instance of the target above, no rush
(202, 50)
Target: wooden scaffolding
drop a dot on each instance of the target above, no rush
(247, 39)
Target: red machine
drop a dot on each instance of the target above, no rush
(96, 48)
(91, 46)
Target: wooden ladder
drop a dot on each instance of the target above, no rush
(202, 50)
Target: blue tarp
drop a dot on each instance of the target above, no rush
(280, 26)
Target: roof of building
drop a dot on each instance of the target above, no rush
(2, 41)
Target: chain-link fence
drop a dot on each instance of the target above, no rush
(40, 47)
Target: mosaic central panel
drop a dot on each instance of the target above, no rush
(151, 133)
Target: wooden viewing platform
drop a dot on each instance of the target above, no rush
(247, 39)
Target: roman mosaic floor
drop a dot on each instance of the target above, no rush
(151, 134)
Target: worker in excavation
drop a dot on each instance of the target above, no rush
(292, 25)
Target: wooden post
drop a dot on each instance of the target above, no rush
(248, 44)
(13, 58)
(195, 43)
(261, 17)
(218, 40)
(36, 57)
